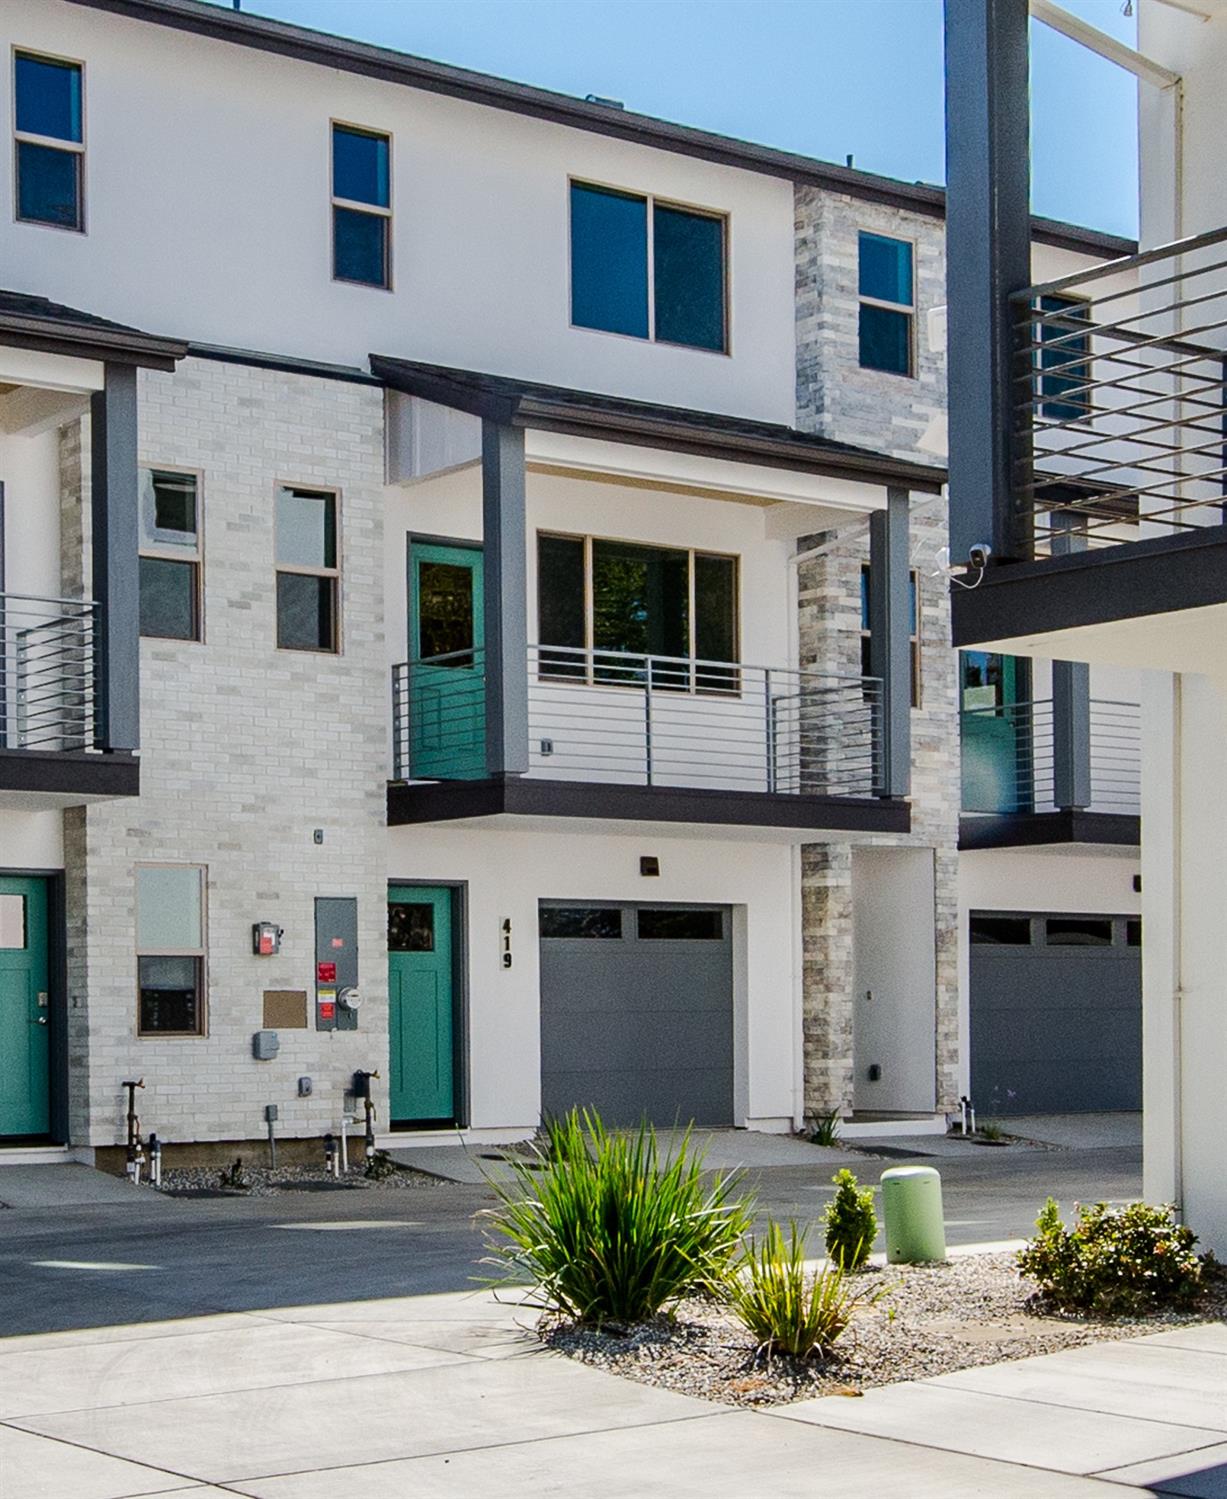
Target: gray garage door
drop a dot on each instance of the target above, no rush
(1056, 1012)
(637, 1012)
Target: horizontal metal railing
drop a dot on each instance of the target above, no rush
(622, 717)
(1119, 379)
(46, 673)
(1009, 758)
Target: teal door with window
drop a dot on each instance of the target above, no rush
(421, 1006)
(447, 679)
(996, 734)
(24, 1010)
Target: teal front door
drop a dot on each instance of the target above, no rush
(447, 680)
(24, 1010)
(421, 1002)
(996, 734)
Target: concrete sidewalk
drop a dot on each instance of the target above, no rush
(452, 1395)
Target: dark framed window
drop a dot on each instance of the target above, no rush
(648, 269)
(669, 924)
(411, 926)
(1078, 931)
(913, 628)
(49, 141)
(605, 607)
(171, 554)
(887, 313)
(308, 570)
(989, 930)
(600, 923)
(170, 947)
(361, 206)
(1063, 358)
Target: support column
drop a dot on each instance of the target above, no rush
(116, 570)
(506, 598)
(988, 256)
(890, 651)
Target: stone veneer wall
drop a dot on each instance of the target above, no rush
(902, 416)
(245, 750)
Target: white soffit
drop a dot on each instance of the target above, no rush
(50, 371)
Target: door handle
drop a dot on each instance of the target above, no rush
(42, 1020)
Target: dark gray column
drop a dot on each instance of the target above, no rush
(116, 571)
(890, 654)
(506, 598)
(988, 256)
(1071, 701)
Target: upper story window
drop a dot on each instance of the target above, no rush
(887, 290)
(648, 269)
(361, 206)
(606, 605)
(308, 570)
(170, 555)
(913, 628)
(1065, 370)
(50, 141)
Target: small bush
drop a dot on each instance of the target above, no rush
(605, 1230)
(824, 1129)
(786, 1309)
(380, 1166)
(1113, 1261)
(992, 1130)
(851, 1223)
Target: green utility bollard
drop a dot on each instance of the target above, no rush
(912, 1208)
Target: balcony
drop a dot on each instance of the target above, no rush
(1021, 784)
(618, 735)
(48, 704)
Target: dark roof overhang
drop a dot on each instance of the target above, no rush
(29, 322)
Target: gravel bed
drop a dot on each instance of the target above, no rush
(930, 1320)
(192, 1181)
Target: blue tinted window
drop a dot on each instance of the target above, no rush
(360, 246)
(886, 269)
(48, 98)
(1063, 351)
(609, 261)
(885, 340)
(48, 185)
(688, 262)
(360, 167)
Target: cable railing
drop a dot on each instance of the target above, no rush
(1009, 758)
(46, 673)
(1119, 379)
(634, 719)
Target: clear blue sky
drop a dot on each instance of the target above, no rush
(823, 77)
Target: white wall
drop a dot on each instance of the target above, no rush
(509, 871)
(207, 171)
(30, 840)
(29, 471)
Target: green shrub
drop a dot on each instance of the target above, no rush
(1113, 1261)
(851, 1223)
(606, 1230)
(380, 1166)
(824, 1130)
(786, 1309)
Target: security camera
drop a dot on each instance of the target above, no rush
(979, 554)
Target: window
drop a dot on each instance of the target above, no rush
(596, 922)
(1133, 932)
(12, 922)
(605, 605)
(170, 947)
(647, 269)
(307, 570)
(170, 555)
(673, 925)
(913, 629)
(49, 141)
(886, 285)
(1064, 368)
(999, 931)
(411, 926)
(361, 207)
(1079, 931)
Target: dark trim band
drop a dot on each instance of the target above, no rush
(1036, 829)
(70, 773)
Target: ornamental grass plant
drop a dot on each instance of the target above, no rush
(609, 1229)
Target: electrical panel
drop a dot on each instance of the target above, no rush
(336, 962)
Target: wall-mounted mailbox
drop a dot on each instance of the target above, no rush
(336, 962)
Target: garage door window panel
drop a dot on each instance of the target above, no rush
(1078, 931)
(582, 922)
(670, 925)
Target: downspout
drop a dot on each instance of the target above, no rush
(1178, 942)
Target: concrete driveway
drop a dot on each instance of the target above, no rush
(451, 1395)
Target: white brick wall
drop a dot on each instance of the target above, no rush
(245, 750)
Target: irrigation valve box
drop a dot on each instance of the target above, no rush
(336, 963)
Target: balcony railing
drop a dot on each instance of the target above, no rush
(1119, 380)
(46, 673)
(615, 716)
(1009, 758)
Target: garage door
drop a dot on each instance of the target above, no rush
(637, 1012)
(1056, 1012)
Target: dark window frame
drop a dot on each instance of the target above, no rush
(914, 634)
(152, 550)
(59, 144)
(294, 569)
(651, 201)
(355, 206)
(198, 954)
(905, 309)
(1054, 381)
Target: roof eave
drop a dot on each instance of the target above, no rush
(88, 341)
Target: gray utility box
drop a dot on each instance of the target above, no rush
(265, 1045)
(336, 961)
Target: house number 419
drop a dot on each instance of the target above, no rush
(506, 930)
